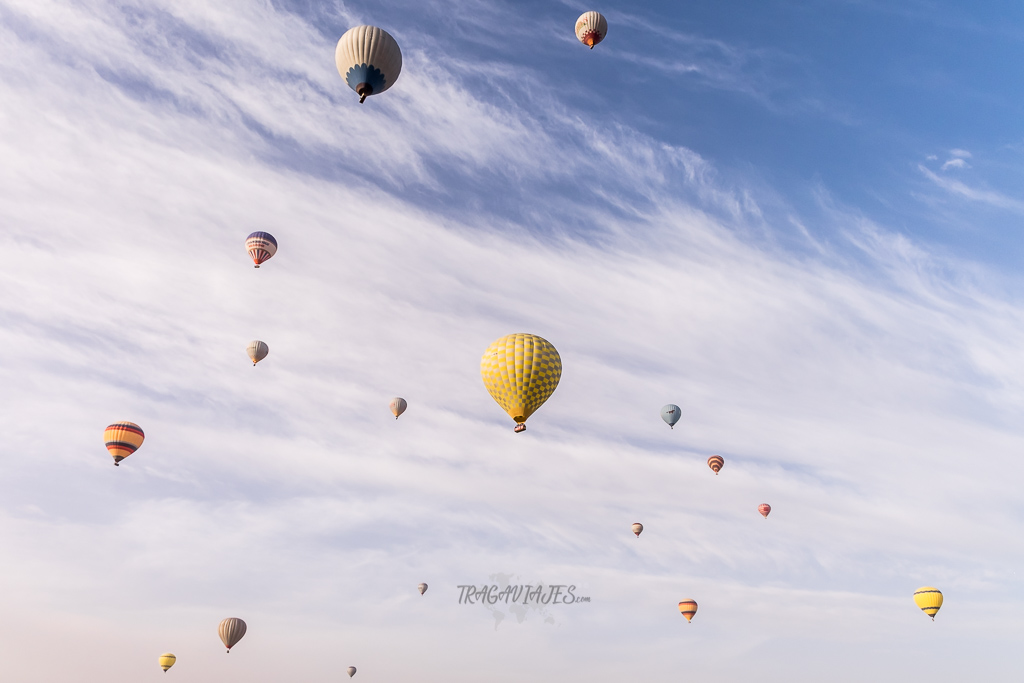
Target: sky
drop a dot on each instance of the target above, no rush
(797, 220)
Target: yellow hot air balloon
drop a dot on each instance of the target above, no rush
(929, 600)
(167, 660)
(123, 439)
(688, 608)
(520, 372)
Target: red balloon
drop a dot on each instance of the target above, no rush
(764, 509)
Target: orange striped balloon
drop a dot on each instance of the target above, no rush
(715, 462)
(123, 439)
(688, 608)
(764, 509)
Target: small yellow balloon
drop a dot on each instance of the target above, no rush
(929, 600)
(520, 372)
(167, 660)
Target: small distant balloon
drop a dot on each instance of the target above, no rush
(398, 406)
(671, 414)
(369, 60)
(167, 661)
(637, 528)
(122, 439)
(257, 351)
(352, 671)
(715, 462)
(764, 509)
(231, 631)
(261, 246)
(929, 599)
(688, 608)
(591, 28)
(422, 588)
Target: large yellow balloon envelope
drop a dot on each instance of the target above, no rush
(520, 372)
(929, 600)
(123, 439)
(167, 660)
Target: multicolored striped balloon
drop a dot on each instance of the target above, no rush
(764, 509)
(638, 528)
(929, 599)
(688, 608)
(715, 462)
(123, 439)
(261, 246)
(591, 28)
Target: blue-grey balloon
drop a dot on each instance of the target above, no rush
(671, 414)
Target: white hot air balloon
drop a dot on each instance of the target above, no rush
(591, 28)
(351, 671)
(422, 588)
(369, 60)
(257, 351)
(398, 406)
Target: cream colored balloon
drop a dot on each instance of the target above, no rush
(369, 60)
(591, 28)
(398, 406)
(231, 631)
(257, 351)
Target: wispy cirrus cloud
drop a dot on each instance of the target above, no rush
(964, 191)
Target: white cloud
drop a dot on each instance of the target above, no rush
(874, 405)
(955, 163)
(959, 189)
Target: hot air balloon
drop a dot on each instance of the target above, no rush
(261, 246)
(637, 528)
(398, 406)
(520, 372)
(764, 509)
(369, 60)
(688, 608)
(167, 661)
(715, 462)
(591, 28)
(422, 588)
(231, 631)
(352, 671)
(123, 439)
(929, 600)
(671, 415)
(257, 351)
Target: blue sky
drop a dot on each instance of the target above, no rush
(797, 221)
